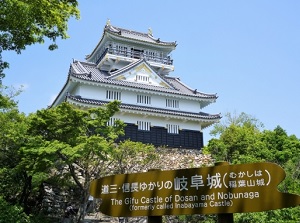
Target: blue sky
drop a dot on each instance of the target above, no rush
(248, 52)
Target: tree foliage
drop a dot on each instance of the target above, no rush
(238, 120)
(27, 22)
(131, 157)
(69, 146)
(64, 147)
(12, 213)
(238, 139)
(12, 132)
(12, 180)
(7, 96)
(241, 140)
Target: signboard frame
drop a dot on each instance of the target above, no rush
(221, 189)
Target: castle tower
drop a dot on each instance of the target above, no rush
(134, 68)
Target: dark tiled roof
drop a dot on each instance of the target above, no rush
(145, 37)
(132, 35)
(89, 72)
(200, 115)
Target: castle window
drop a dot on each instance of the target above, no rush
(121, 50)
(150, 55)
(143, 99)
(142, 78)
(111, 121)
(136, 53)
(113, 95)
(143, 125)
(172, 103)
(173, 129)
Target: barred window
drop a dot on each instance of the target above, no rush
(114, 95)
(143, 125)
(172, 103)
(142, 78)
(174, 129)
(111, 121)
(143, 99)
(122, 50)
(151, 54)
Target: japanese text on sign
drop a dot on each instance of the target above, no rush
(228, 180)
(208, 190)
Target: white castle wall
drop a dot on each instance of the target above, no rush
(130, 97)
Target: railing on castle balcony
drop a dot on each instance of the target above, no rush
(137, 55)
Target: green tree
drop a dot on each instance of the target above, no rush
(241, 140)
(27, 22)
(282, 146)
(68, 147)
(12, 136)
(129, 157)
(64, 147)
(7, 96)
(12, 213)
(292, 181)
(234, 119)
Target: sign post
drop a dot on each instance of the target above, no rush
(221, 189)
(224, 218)
(154, 219)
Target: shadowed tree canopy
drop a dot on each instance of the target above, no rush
(26, 22)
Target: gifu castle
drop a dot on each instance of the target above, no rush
(134, 68)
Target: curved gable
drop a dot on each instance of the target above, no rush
(140, 72)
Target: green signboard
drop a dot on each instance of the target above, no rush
(209, 190)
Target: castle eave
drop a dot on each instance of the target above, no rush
(149, 111)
